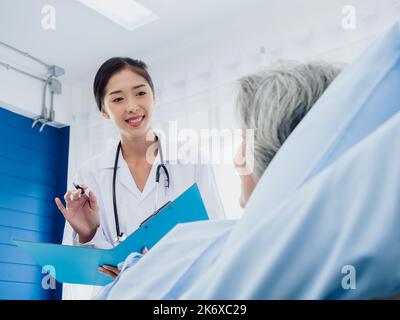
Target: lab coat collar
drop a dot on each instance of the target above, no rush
(125, 177)
(107, 159)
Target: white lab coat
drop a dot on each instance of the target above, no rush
(134, 206)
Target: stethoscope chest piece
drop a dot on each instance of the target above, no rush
(120, 238)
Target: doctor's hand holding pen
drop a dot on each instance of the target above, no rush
(81, 212)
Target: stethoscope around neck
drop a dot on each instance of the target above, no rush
(161, 167)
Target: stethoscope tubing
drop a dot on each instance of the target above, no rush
(161, 166)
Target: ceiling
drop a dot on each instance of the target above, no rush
(83, 39)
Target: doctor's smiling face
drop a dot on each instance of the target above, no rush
(128, 101)
(124, 93)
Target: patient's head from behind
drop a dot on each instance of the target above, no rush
(272, 102)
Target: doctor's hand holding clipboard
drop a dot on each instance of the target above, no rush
(82, 213)
(126, 185)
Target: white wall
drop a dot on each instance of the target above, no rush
(194, 76)
(23, 94)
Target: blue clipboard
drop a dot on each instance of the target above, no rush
(74, 264)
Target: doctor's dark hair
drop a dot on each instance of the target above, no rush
(111, 67)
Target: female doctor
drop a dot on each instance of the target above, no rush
(118, 189)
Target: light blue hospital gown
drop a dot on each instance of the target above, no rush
(344, 220)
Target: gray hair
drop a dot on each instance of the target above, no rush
(274, 101)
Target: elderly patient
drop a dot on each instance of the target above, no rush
(272, 102)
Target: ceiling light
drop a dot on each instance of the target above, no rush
(127, 13)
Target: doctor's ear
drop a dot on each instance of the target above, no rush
(105, 114)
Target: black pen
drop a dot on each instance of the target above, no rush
(77, 186)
